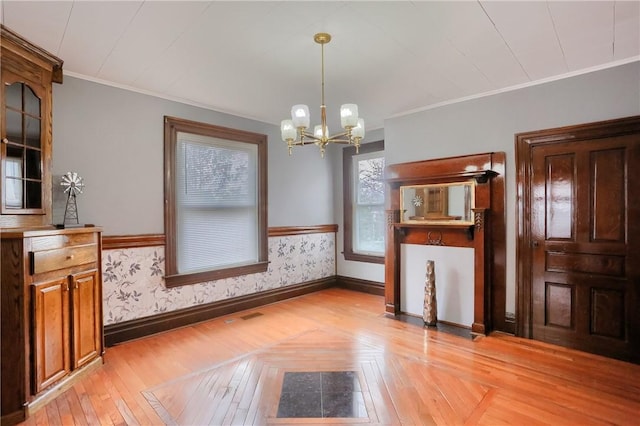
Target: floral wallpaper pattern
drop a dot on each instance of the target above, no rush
(133, 284)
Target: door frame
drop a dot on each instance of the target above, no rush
(524, 144)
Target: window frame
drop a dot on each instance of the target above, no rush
(347, 200)
(173, 126)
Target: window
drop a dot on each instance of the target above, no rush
(215, 202)
(363, 193)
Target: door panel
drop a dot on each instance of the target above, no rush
(559, 304)
(584, 254)
(607, 174)
(604, 302)
(51, 332)
(87, 341)
(559, 185)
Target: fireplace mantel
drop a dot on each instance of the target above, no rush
(485, 234)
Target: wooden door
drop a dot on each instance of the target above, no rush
(51, 347)
(584, 238)
(87, 338)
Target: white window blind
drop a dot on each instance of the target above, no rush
(368, 203)
(216, 203)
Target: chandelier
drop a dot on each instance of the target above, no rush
(294, 131)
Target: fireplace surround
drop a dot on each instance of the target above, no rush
(485, 233)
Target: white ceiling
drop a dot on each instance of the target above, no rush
(256, 59)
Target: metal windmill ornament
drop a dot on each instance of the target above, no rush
(73, 185)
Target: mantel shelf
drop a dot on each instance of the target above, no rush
(436, 233)
(465, 225)
(481, 176)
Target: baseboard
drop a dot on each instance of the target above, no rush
(441, 326)
(357, 284)
(509, 327)
(14, 418)
(135, 329)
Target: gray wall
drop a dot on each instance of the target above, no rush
(114, 139)
(489, 124)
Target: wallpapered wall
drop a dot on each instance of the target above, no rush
(133, 283)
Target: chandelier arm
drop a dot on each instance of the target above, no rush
(310, 137)
(304, 134)
(339, 135)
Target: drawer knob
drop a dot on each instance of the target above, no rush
(69, 257)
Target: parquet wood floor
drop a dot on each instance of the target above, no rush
(230, 370)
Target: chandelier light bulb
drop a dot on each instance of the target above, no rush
(288, 130)
(318, 133)
(300, 116)
(358, 130)
(348, 115)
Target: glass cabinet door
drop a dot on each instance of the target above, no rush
(22, 151)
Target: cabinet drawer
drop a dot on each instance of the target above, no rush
(51, 260)
(51, 242)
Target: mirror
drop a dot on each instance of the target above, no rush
(448, 203)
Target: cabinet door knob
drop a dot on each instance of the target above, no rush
(5, 140)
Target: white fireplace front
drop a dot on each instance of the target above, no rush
(454, 281)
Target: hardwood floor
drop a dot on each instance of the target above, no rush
(229, 371)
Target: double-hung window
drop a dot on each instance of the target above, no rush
(363, 190)
(215, 213)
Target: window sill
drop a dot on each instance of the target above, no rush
(357, 257)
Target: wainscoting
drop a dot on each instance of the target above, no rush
(137, 303)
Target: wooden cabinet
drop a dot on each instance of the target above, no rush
(27, 73)
(51, 284)
(51, 313)
(51, 281)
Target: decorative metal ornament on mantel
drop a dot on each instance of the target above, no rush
(294, 131)
(73, 184)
